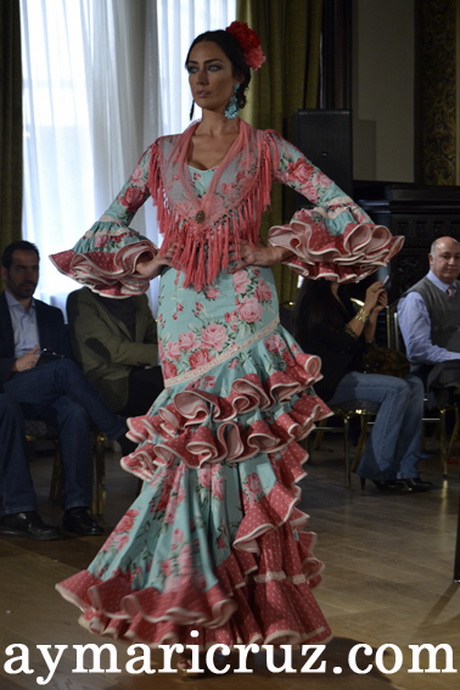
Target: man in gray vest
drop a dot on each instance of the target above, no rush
(429, 313)
(429, 318)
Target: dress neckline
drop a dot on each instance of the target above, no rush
(200, 170)
(191, 131)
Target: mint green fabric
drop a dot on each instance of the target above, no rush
(290, 34)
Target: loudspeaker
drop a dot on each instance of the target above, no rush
(325, 138)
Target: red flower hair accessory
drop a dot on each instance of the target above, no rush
(249, 42)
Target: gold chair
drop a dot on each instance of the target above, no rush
(363, 410)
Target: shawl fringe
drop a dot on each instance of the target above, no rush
(202, 249)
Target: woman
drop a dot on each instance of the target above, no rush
(328, 325)
(214, 542)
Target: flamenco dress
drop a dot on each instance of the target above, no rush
(215, 542)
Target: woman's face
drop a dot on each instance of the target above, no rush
(211, 76)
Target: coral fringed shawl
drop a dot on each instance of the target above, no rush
(204, 235)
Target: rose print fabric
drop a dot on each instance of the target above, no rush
(215, 542)
(205, 219)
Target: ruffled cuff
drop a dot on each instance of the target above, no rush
(321, 249)
(105, 260)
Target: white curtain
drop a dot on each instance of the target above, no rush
(102, 80)
(179, 21)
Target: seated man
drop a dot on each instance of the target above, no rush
(56, 390)
(115, 342)
(429, 315)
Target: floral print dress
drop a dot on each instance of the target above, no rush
(215, 541)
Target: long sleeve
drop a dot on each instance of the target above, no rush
(415, 325)
(334, 239)
(105, 258)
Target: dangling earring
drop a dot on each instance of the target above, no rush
(231, 111)
(192, 109)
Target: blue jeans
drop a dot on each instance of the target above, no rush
(394, 445)
(60, 393)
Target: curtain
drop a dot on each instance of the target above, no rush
(437, 89)
(85, 117)
(102, 80)
(10, 122)
(290, 33)
(179, 22)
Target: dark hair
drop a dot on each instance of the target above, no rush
(22, 245)
(315, 304)
(234, 52)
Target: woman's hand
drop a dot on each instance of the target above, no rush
(376, 298)
(259, 255)
(382, 302)
(151, 267)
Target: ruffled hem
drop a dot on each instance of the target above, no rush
(262, 595)
(358, 252)
(193, 612)
(107, 273)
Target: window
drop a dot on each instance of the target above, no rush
(102, 79)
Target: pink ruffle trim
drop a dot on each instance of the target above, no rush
(107, 273)
(269, 571)
(357, 253)
(170, 433)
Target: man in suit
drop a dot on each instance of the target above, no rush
(55, 391)
(115, 343)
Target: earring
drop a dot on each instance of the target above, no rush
(231, 111)
(192, 109)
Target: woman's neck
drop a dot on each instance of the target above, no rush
(216, 124)
(211, 141)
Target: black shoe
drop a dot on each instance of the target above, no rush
(79, 521)
(388, 486)
(28, 524)
(392, 486)
(417, 484)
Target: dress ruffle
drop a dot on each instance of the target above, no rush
(262, 592)
(105, 260)
(258, 415)
(319, 253)
(221, 471)
(228, 441)
(215, 541)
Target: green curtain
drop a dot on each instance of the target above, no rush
(290, 33)
(10, 122)
(436, 92)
